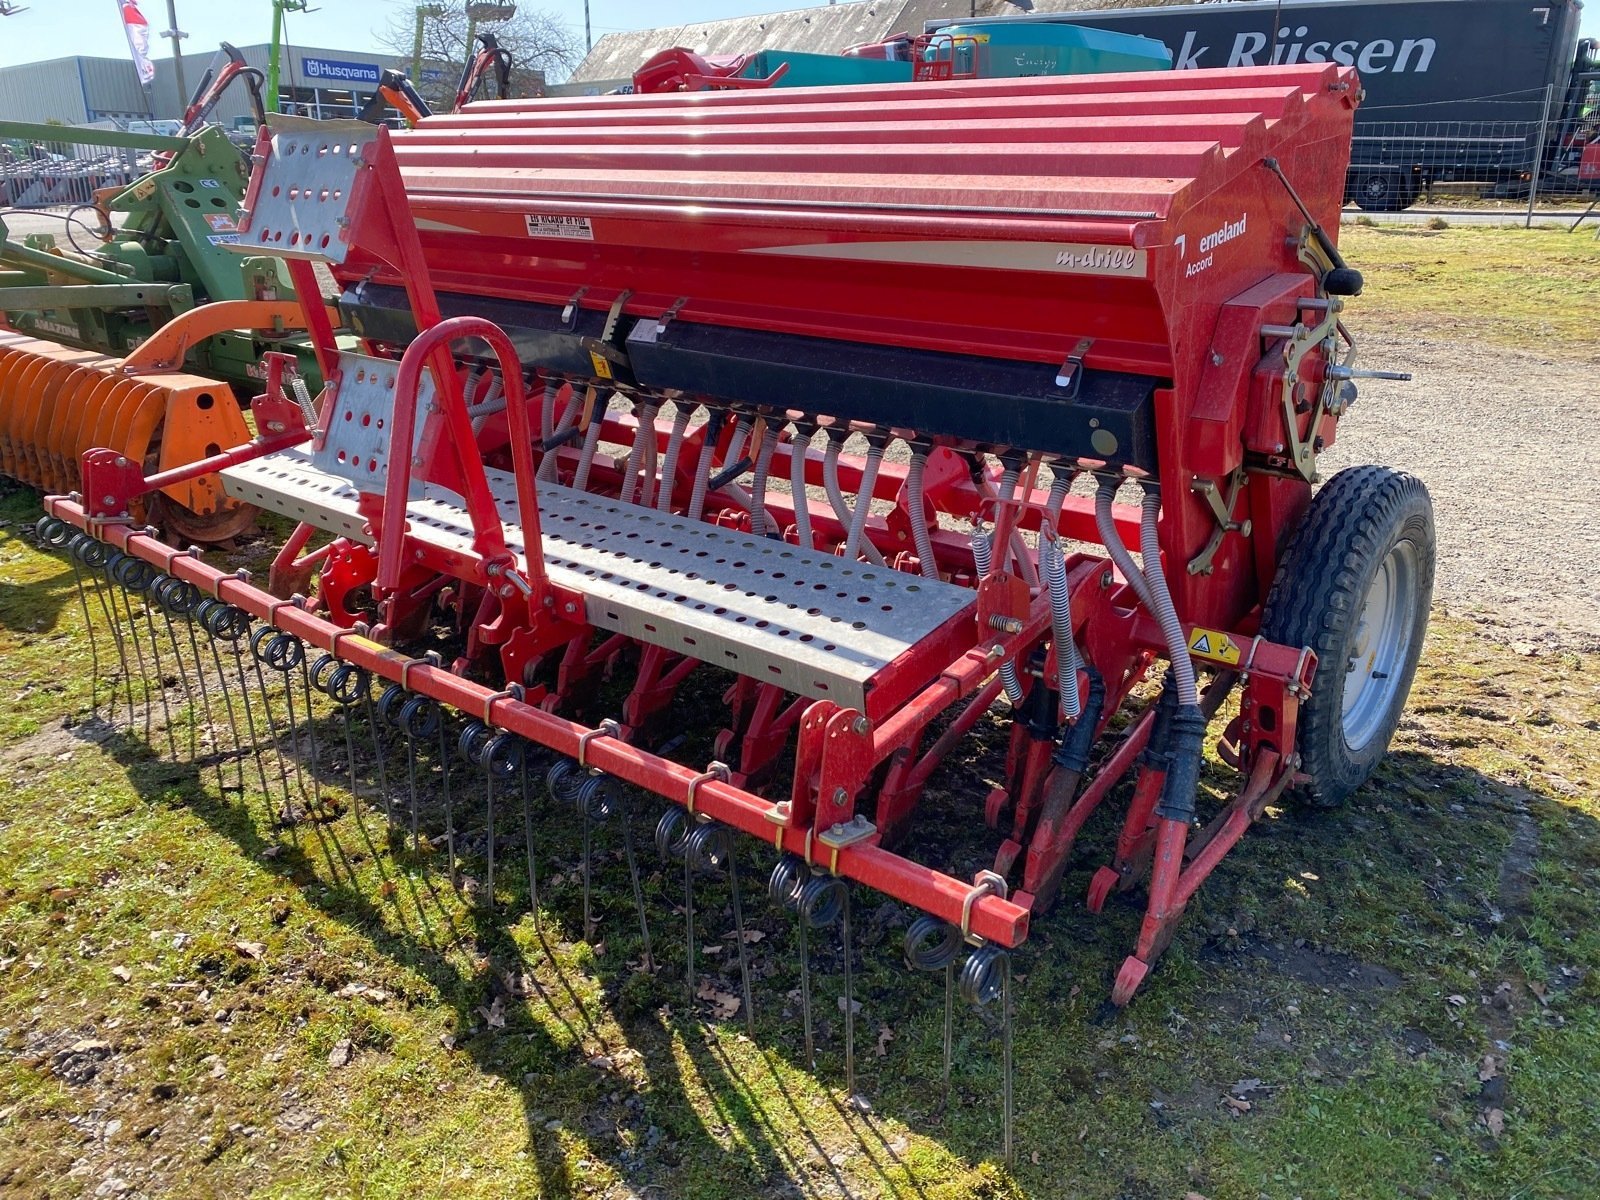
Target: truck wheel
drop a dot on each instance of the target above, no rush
(1355, 586)
(1381, 192)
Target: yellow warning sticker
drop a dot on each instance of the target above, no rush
(602, 368)
(1215, 645)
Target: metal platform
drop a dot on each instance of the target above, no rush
(809, 622)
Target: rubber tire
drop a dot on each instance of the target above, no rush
(1315, 600)
(1381, 192)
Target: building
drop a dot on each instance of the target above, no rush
(82, 90)
(826, 29)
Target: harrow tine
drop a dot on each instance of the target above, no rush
(849, 995)
(344, 684)
(88, 624)
(672, 841)
(527, 837)
(226, 623)
(145, 577)
(283, 652)
(131, 574)
(311, 730)
(449, 802)
(647, 961)
(156, 594)
(372, 711)
(503, 756)
(783, 889)
(931, 945)
(822, 901)
(259, 637)
(417, 719)
(469, 745)
(744, 950)
(985, 978)
(188, 598)
(95, 555)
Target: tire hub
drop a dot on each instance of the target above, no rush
(1380, 646)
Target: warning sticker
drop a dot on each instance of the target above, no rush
(221, 222)
(1215, 645)
(572, 229)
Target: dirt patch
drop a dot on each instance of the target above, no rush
(1319, 968)
(1505, 442)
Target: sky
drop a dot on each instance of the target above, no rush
(57, 28)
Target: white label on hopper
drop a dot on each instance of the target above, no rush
(573, 229)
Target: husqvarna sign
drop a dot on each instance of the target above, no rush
(331, 70)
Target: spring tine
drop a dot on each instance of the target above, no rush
(527, 837)
(266, 710)
(370, 709)
(849, 1003)
(139, 658)
(588, 838)
(101, 584)
(94, 648)
(237, 653)
(161, 674)
(294, 735)
(1006, 1066)
(449, 805)
(688, 924)
(205, 694)
(153, 596)
(311, 730)
(647, 961)
(411, 788)
(744, 950)
(805, 996)
(949, 1028)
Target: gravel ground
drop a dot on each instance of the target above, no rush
(1507, 444)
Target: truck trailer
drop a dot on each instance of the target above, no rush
(1492, 92)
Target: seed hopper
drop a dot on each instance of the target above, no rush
(892, 411)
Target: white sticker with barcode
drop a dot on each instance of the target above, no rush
(573, 229)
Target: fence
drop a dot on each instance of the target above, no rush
(42, 175)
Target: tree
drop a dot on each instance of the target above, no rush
(541, 47)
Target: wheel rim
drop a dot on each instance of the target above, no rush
(1377, 188)
(1380, 646)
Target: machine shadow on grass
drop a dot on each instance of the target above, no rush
(750, 1098)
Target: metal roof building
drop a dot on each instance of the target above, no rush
(826, 29)
(81, 90)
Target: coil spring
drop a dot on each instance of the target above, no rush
(132, 573)
(91, 552)
(590, 792)
(177, 596)
(389, 704)
(981, 559)
(709, 847)
(474, 737)
(283, 652)
(502, 755)
(344, 683)
(931, 944)
(672, 834)
(224, 622)
(788, 877)
(52, 532)
(418, 718)
(983, 975)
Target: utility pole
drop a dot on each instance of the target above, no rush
(177, 35)
(279, 7)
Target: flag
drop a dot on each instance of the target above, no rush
(138, 30)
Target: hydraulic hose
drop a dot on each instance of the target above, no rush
(669, 462)
(1162, 607)
(921, 538)
(830, 483)
(758, 485)
(702, 470)
(1112, 540)
(858, 518)
(799, 443)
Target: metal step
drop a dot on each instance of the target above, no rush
(812, 623)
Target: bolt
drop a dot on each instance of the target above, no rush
(860, 726)
(840, 797)
(418, 554)
(108, 500)
(1005, 624)
(572, 609)
(1105, 580)
(1216, 359)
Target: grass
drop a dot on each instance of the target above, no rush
(1397, 998)
(1533, 290)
